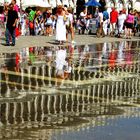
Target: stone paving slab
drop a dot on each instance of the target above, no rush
(40, 41)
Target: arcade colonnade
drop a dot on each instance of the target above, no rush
(119, 4)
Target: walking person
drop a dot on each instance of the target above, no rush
(12, 18)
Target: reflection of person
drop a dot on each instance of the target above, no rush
(103, 4)
(11, 25)
(112, 57)
(31, 55)
(11, 68)
(128, 54)
(120, 55)
(60, 63)
(68, 69)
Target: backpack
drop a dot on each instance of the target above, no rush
(105, 15)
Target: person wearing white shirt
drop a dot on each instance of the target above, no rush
(121, 20)
(69, 24)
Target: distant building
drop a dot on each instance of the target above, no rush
(78, 4)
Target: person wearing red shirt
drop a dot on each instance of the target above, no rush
(113, 20)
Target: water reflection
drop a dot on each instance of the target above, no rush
(74, 87)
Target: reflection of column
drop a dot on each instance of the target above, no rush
(107, 92)
(21, 112)
(112, 92)
(116, 91)
(88, 94)
(77, 102)
(35, 110)
(29, 77)
(94, 91)
(125, 88)
(66, 107)
(103, 93)
(36, 77)
(14, 112)
(98, 93)
(72, 100)
(43, 75)
(22, 78)
(42, 110)
(49, 75)
(60, 105)
(49, 104)
(55, 104)
(29, 114)
(7, 113)
(83, 100)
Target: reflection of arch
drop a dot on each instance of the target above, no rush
(79, 6)
(120, 4)
(110, 3)
(130, 3)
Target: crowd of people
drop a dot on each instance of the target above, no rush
(109, 21)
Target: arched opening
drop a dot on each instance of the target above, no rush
(120, 5)
(129, 5)
(79, 6)
(111, 3)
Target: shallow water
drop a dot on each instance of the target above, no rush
(97, 99)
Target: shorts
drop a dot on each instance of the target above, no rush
(129, 25)
(68, 28)
(48, 25)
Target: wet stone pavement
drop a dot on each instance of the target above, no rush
(71, 93)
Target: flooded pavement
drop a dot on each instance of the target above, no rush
(71, 93)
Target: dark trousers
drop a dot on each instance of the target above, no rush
(10, 34)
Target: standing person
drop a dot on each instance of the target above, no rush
(113, 20)
(103, 4)
(23, 23)
(1, 21)
(121, 20)
(129, 24)
(49, 23)
(11, 25)
(105, 21)
(82, 21)
(61, 25)
(69, 24)
(100, 31)
(31, 21)
(16, 8)
(135, 29)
